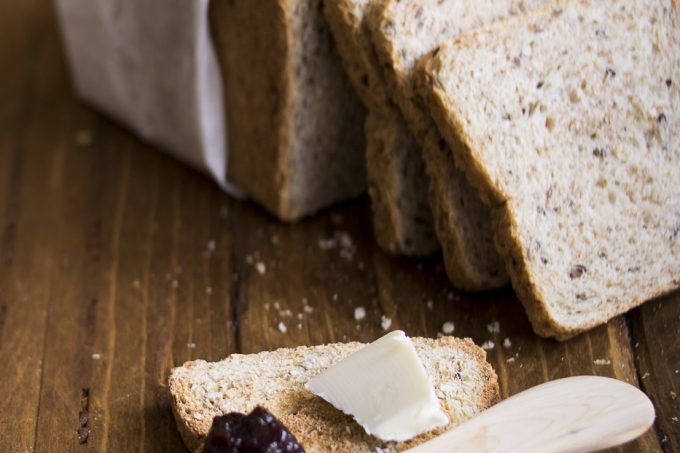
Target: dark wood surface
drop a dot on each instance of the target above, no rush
(117, 263)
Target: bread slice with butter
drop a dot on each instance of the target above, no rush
(464, 383)
(568, 120)
(397, 182)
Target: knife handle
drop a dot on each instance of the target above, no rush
(576, 414)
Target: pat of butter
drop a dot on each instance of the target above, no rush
(385, 388)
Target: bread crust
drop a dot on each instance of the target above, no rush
(379, 139)
(401, 213)
(346, 19)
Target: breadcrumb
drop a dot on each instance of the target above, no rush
(494, 327)
(488, 345)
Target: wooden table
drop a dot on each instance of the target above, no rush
(117, 263)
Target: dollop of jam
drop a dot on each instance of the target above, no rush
(257, 432)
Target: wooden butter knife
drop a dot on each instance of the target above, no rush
(576, 414)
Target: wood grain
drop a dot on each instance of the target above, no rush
(118, 263)
(312, 277)
(656, 348)
(25, 240)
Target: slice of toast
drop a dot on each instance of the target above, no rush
(295, 125)
(464, 383)
(402, 219)
(402, 32)
(568, 120)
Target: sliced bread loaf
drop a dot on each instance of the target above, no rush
(403, 31)
(568, 120)
(398, 184)
(295, 126)
(464, 382)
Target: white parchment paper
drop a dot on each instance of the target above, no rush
(151, 64)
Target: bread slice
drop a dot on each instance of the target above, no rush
(464, 383)
(403, 31)
(295, 125)
(398, 184)
(347, 21)
(568, 120)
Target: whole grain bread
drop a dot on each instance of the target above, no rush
(464, 383)
(402, 32)
(398, 184)
(568, 120)
(295, 125)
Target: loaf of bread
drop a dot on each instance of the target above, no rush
(568, 120)
(403, 31)
(464, 382)
(397, 182)
(295, 125)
